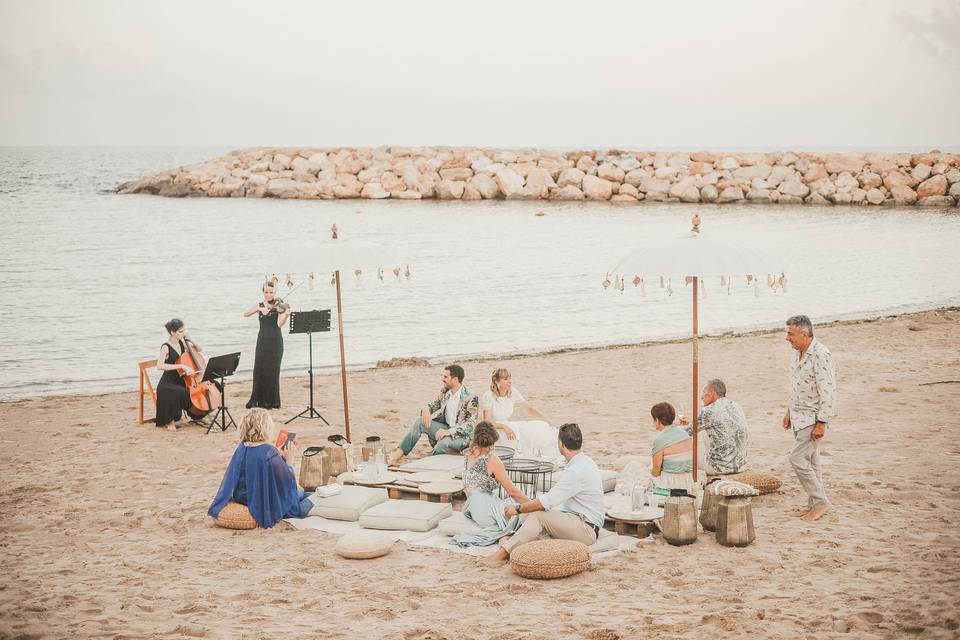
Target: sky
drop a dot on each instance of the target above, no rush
(822, 74)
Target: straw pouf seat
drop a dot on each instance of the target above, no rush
(235, 516)
(762, 482)
(363, 545)
(548, 559)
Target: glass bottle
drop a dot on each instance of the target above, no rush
(636, 496)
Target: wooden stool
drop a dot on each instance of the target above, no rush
(708, 511)
(145, 377)
(735, 522)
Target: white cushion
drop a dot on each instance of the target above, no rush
(445, 462)
(348, 504)
(410, 515)
(608, 477)
(362, 545)
(458, 523)
(606, 541)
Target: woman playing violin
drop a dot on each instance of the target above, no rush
(173, 398)
(272, 314)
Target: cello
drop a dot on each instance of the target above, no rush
(204, 396)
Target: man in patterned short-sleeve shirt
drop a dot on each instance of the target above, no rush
(812, 403)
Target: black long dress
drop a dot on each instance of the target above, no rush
(266, 364)
(172, 395)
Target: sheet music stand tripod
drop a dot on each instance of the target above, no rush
(220, 367)
(310, 322)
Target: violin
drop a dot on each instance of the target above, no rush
(204, 396)
(276, 305)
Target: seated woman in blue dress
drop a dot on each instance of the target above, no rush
(483, 476)
(672, 451)
(261, 476)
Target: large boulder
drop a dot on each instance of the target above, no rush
(902, 194)
(728, 163)
(709, 193)
(540, 178)
(627, 163)
(568, 192)
(869, 180)
(636, 176)
(921, 172)
(875, 196)
(485, 184)
(509, 182)
(814, 173)
(936, 201)
(456, 173)
(610, 172)
(935, 186)
(283, 188)
(628, 189)
(654, 185)
(841, 163)
(595, 188)
(731, 194)
(761, 170)
(570, 176)
(450, 189)
(898, 178)
(587, 164)
(700, 156)
(374, 191)
(793, 188)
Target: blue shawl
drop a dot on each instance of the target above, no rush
(667, 438)
(271, 487)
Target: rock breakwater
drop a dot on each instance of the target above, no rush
(616, 176)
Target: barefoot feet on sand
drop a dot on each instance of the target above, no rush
(395, 457)
(814, 514)
(497, 559)
(799, 513)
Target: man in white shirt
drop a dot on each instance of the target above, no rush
(571, 510)
(812, 403)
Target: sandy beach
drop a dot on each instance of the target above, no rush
(104, 530)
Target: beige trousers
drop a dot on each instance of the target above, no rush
(557, 524)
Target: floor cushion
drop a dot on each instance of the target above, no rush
(235, 516)
(548, 559)
(606, 541)
(458, 523)
(608, 477)
(362, 545)
(447, 463)
(348, 504)
(762, 482)
(409, 515)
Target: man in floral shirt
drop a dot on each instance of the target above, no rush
(812, 403)
(723, 429)
(448, 421)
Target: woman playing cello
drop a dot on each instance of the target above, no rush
(272, 314)
(173, 398)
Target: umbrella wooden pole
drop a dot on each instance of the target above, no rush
(343, 361)
(696, 375)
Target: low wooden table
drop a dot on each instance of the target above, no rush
(626, 523)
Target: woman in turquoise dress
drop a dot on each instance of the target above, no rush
(484, 474)
(672, 451)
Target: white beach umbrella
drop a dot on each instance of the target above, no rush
(356, 256)
(690, 259)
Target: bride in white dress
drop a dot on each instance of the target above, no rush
(529, 438)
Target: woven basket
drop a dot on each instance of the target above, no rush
(235, 516)
(762, 482)
(548, 559)
(364, 545)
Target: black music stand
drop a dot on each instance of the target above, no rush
(220, 367)
(310, 322)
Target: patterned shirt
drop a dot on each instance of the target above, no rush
(467, 414)
(813, 386)
(725, 423)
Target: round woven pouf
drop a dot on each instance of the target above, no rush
(235, 516)
(762, 482)
(364, 545)
(548, 559)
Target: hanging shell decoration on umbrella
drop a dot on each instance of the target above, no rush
(396, 272)
(406, 274)
(289, 282)
(358, 273)
(310, 279)
(333, 278)
(333, 231)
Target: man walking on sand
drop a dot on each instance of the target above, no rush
(812, 403)
(571, 510)
(448, 421)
